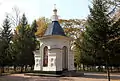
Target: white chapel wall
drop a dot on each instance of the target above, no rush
(55, 55)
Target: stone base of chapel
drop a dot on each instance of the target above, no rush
(71, 73)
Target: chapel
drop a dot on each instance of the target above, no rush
(55, 52)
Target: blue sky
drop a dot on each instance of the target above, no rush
(67, 9)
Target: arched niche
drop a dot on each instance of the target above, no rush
(45, 56)
(65, 58)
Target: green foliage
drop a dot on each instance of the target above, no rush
(24, 43)
(5, 38)
(101, 36)
(32, 33)
(114, 43)
(98, 35)
(95, 38)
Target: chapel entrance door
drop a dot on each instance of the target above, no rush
(65, 58)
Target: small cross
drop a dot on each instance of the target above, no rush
(54, 6)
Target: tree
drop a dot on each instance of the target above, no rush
(0, 30)
(74, 28)
(5, 38)
(42, 26)
(77, 50)
(15, 16)
(14, 49)
(98, 34)
(113, 6)
(20, 43)
(24, 43)
(33, 44)
(114, 43)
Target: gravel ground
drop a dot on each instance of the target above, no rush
(87, 77)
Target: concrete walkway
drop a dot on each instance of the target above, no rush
(87, 77)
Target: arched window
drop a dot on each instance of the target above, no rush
(65, 58)
(45, 56)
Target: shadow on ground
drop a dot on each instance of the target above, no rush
(101, 76)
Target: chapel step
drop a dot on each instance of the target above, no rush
(72, 73)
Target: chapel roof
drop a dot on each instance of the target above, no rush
(54, 28)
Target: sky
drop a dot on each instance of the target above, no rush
(34, 9)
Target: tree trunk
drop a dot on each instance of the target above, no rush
(32, 67)
(25, 68)
(118, 69)
(108, 71)
(111, 68)
(87, 67)
(0, 71)
(83, 67)
(22, 69)
(14, 68)
(77, 67)
(8, 69)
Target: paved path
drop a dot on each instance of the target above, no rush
(87, 77)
